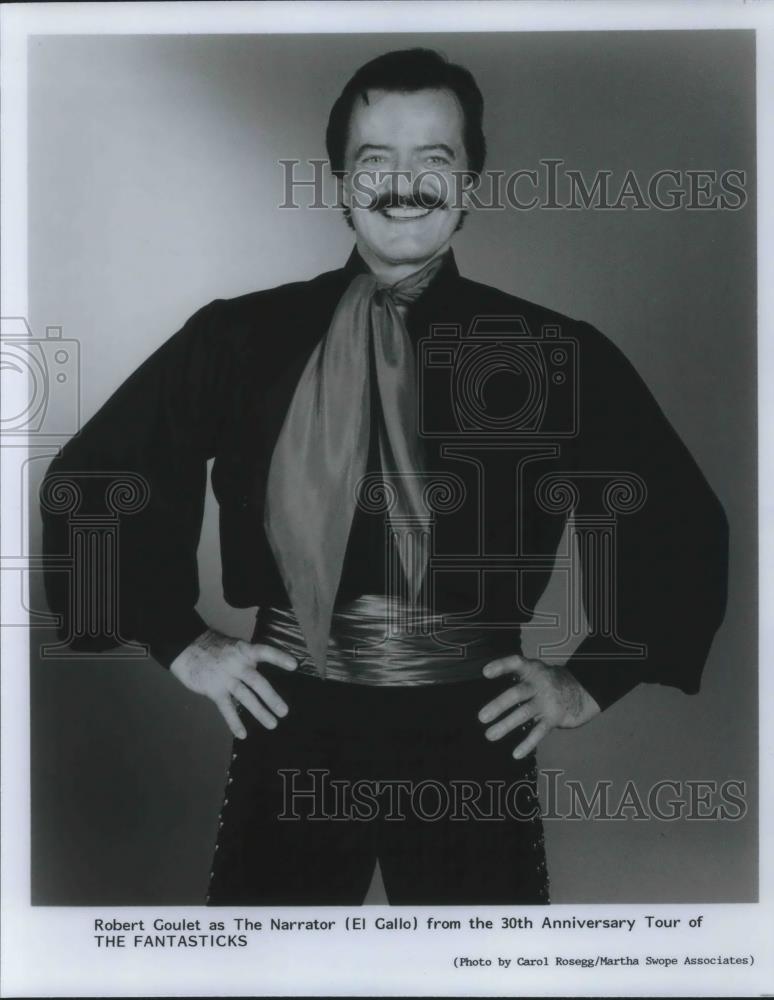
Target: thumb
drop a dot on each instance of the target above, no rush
(259, 653)
(514, 664)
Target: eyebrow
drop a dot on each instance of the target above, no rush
(370, 145)
(422, 149)
(438, 145)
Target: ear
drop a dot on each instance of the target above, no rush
(468, 184)
(344, 198)
(343, 190)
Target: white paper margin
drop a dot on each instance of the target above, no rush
(48, 951)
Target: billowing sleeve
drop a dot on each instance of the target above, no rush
(653, 537)
(122, 503)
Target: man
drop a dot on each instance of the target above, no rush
(397, 453)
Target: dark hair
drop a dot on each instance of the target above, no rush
(406, 71)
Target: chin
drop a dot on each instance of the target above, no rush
(408, 251)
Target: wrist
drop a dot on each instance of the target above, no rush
(202, 643)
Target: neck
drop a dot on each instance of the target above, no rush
(389, 273)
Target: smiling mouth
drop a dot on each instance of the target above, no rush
(405, 214)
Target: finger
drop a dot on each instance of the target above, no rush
(507, 665)
(510, 697)
(265, 691)
(230, 714)
(512, 721)
(259, 653)
(536, 735)
(245, 697)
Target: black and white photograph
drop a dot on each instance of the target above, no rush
(381, 451)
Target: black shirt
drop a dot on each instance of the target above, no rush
(524, 414)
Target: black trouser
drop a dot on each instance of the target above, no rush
(457, 839)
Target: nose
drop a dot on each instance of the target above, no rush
(411, 178)
(402, 180)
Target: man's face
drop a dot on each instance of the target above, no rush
(403, 152)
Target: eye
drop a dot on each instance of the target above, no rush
(437, 160)
(372, 158)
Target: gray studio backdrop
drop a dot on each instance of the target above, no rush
(153, 188)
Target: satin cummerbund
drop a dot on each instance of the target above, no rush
(382, 641)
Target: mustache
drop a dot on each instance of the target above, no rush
(421, 200)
